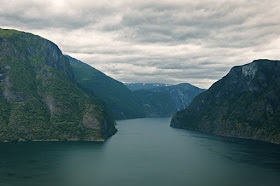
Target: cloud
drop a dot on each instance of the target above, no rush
(168, 41)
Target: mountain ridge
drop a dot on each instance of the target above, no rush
(154, 100)
(114, 93)
(145, 86)
(166, 100)
(243, 104)
(38, 95)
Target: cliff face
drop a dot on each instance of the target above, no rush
(38, 96)
(244, 104)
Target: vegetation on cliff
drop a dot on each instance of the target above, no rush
(164, 100)
(244, 104)
(38, 97)
(116, 95)
(154, 100)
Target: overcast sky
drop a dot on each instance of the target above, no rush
(166, 41)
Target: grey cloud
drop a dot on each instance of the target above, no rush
(168, 41)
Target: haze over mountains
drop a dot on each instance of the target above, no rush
(48, 96)
(166, 100)
(150, 99)
(169, 41)
(140, 93)
(146, 86)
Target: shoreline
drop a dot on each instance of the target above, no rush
(54, 140)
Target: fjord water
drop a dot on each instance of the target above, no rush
(143, 152)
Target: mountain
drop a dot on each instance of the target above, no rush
(243, 104)
(116, 95)
(153, 100)
(166, 100)
(155, 104)
(145, 86)
(39, 99)
(181, 95)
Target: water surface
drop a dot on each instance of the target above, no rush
(143, 152)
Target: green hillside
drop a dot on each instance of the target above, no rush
(155, 104)
(244, 104)
(38, 97)
(115, 94)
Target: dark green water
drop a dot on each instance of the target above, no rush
(143, 152)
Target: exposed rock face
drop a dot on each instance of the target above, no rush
(166, 100)
(181, 94)
(38, 96)
(244, 104)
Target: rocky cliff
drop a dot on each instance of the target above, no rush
(38, 96)
(243, 104)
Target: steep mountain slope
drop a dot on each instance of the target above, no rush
(155, 104)
(156, 100)
(144, 86)
(115, 94)
(181, 95)
(166, 100)
(38, 97)
(244, 104)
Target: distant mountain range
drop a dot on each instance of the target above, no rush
(166, 100)
(181, 95)
(149, 99)
(47, 96)
(244, 104)
(144, 86)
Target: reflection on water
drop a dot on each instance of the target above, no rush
(143, 152)
(38, 162)
(252, 152)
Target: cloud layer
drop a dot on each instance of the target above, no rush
(169, 41)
